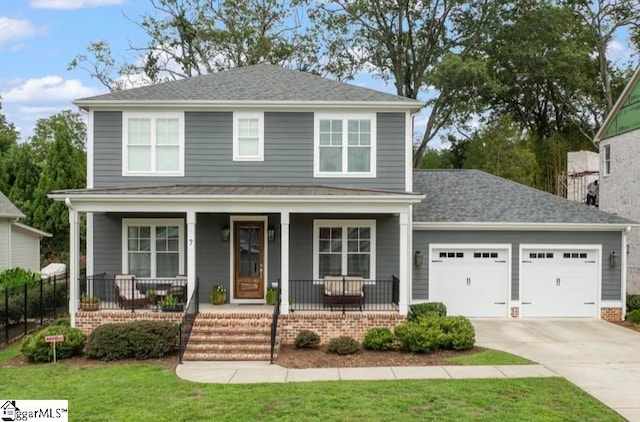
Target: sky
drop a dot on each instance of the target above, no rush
(38, 39)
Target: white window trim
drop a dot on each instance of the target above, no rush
(236, 147)
(153, 116)
(371, 224)
(345, 134)
(153, 223)
(606, 171)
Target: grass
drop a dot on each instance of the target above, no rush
(10, 351)
(489, 357)
(144, 392)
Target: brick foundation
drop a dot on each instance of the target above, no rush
(611, 314)
(331, 325)
(89, 321)
(515, 312)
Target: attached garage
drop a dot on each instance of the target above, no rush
(559, 281)
(471, 280)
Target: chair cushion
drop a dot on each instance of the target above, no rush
(334, 286)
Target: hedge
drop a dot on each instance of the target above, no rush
(134, 340)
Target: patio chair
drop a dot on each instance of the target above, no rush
(343, 291)
(128, 295)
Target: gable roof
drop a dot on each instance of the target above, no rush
(261, 83)
(7, 209)
(473, 196)
(620, 104)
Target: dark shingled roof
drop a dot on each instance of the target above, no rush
(474, 196)
(7, 209)
(261, 82)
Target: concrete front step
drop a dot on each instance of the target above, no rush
(212, 356)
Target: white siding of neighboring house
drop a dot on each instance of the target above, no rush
(620, 194)
(4, 243)
(25, 249)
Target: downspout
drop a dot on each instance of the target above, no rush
(623, 269)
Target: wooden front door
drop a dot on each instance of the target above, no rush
(248, 260)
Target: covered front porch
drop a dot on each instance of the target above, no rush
(146, 244)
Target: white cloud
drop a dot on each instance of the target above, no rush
(47, 89)
(15, 29)
(40, 110)
(72, 4)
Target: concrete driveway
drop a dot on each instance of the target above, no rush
(601, 358)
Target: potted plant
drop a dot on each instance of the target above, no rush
(89, 303)
(218, 295)
(170, 304)
(272, 294)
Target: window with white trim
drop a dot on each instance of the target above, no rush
(153, 248)
(248, 136)
(153, 144)
(345, 145)
(344, 247)
(607, 160)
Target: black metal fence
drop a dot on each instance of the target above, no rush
(104, 292)
(27, 307)
(344, 294)
(189, 318)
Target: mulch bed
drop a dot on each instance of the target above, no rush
(289, 357)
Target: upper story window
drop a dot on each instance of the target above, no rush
(153, 144)
(248, 136)
(607, 160)
(345, 145)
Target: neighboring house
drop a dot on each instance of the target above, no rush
(619, 142)
(260, 175)
(582, 168)
(19, 243)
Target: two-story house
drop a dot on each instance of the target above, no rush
(261, 176)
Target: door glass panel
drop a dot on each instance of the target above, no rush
(249, 251)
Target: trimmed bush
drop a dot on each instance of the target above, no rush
(134, 340)
(423, 336)
(634, 317)
(378, 338)
(420, 310)
(306, 339)
(35, 349)
(633, 302)
(458, 333)
(343, 346)
(64, 321)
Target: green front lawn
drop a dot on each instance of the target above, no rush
(489, 357)
(148, 392)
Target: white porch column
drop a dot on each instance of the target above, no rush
(405, 263)
(191, 253)
(284, 261)
(74, 263)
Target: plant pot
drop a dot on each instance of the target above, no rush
(173, 308)
(89, 306)
(271, 296)
(218, 298)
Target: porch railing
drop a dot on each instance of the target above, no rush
(274, 323)
(188, 319)
(344, 294)
(108, 292)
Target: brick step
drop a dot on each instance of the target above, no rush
(231, 323)
(231, 347)
(229, 330)
(226, 356)
(237, 338)
(243, 315)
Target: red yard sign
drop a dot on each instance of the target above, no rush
(54, 339)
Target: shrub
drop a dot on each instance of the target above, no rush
(422, 336)
(457, 333)
(633, 302)
(420, 310)
(65, 321)
(378, 338)
(634, 317)
(15, 277)
(36, 349)
(137, 340)
(343, 346)
(306, 339)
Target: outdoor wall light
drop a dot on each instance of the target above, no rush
(614, 259)
(271, 233)
(418, 258)
(225, 232)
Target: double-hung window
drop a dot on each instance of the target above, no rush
(607, 160)
(153, 248)
(153, 144)
(248, 136)
(345, 145)
(344, 247)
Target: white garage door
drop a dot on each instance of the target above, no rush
(559, 282)
(470, 281)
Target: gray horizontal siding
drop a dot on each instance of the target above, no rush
(288, 154)
(610, 241)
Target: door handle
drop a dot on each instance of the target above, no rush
(557, 281)
(526, 303)
(499, 303)
(468, 281)
(436, 260)
(589, 303)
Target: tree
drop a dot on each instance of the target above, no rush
(8, 133)
(21, 174)
(44, 133)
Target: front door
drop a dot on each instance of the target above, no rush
(248, 260)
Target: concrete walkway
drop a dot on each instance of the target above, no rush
(601, 358)
(263, 372)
